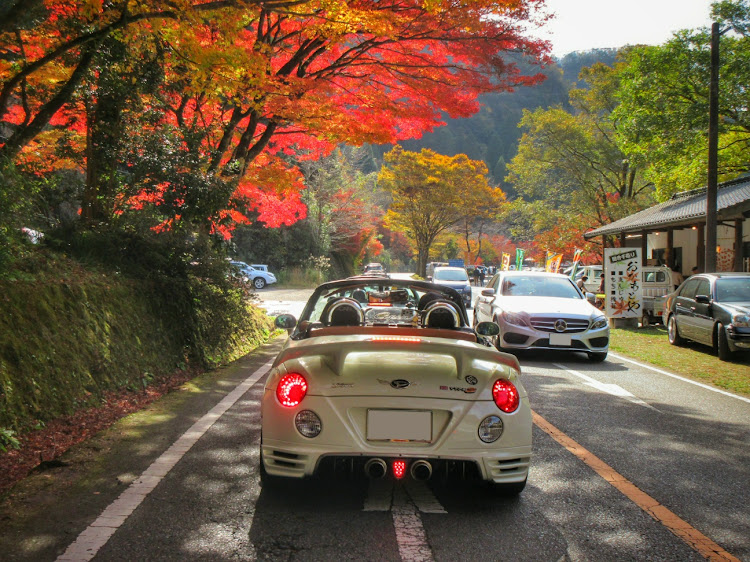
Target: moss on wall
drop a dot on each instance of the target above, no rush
(65, 341)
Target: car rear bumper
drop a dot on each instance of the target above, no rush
(344, 437)
(292, 461)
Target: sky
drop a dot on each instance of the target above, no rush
(582, 25)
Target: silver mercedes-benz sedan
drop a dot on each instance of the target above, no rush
(539, 310)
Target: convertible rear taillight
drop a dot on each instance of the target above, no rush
(291, 389)
(505, 395)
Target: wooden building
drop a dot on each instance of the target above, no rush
(673, 232)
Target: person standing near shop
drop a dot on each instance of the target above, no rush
(677, 277)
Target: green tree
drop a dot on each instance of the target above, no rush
(663, 109)
(570, 161)
(451, 250)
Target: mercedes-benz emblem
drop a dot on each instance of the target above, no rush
(561, 325)
(399, 383)
(471, 379)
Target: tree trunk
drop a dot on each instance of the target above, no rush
(103, 136)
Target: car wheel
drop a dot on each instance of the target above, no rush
(259, 282)
(509, 490)
(673, 334)
(598, 357)
(722, 345)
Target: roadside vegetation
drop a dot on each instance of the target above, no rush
(694, 361)
(85, 315)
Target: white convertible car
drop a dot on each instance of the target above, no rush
(385, 378)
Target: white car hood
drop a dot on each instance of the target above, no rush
(546, 305)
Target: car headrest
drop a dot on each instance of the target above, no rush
(342, 312)
(359, 295)
(426, 299)
(440, 314)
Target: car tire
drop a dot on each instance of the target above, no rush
(722, 345)
(673, 333)
(598, 357)
(259, 282)
(509, 490)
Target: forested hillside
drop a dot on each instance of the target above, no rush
(492, 134)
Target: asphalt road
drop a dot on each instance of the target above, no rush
(629, 464)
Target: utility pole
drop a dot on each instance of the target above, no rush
(713, 153)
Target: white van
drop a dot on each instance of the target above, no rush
(594, 274)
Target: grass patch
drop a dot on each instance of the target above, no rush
(300, 277)
(695, 361)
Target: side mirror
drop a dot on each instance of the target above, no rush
(285, 321)
(703, 299)
(488, 292)
(487, 329)
(591, 297)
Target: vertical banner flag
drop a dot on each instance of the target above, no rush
(552, 263)
(556, 261)
(505, 263)
(622, 268)
(576, 259)
(519, 258)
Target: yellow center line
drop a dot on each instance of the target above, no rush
(678, 526)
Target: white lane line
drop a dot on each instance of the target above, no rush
(100, 531)
(678, 377)
(410, 535)
(613, 389)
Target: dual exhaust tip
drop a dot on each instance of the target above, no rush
(377, 468)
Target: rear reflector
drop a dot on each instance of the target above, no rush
(399, 468)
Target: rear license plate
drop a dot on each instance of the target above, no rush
(560, 339)
(399, 425)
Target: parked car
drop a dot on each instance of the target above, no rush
(539, 310)
(374, 268)
(456, 278)
(711, 308)
(258, 277)
(385, 378)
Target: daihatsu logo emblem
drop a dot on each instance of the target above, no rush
(399, 383)
(561, 325)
